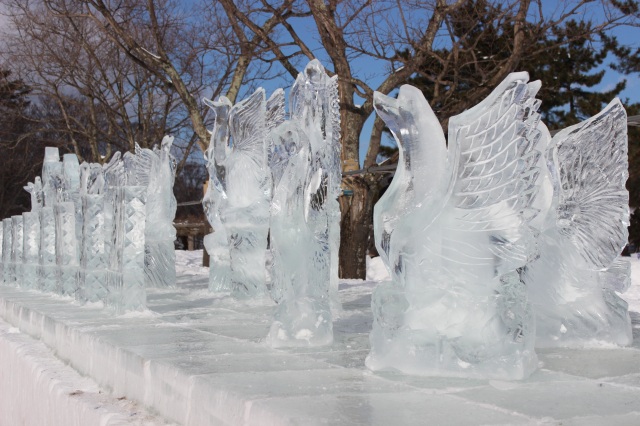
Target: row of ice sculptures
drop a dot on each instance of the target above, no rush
(500, 240)
(98, 233)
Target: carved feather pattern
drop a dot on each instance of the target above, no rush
(247, 122)
(495, 148)
(591, 168)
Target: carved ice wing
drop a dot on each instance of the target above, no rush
(275, 110)
(495, 153)
(143, 164)
(591, 168)
(247, 122)
(494, 149)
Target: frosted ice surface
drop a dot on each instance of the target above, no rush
(52, 176)
(31, 238)
(93, 258)
(17, 248)
(126, 280)
(302, 213)
(573, 284)
(7, 269)
(453, 230)
(47, 259)
(66, 243)
(37, 194)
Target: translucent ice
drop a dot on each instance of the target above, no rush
(31, 238)
(453, 229)
(126, 264)
(92, 278)
(302, 213)
(245, 212)
(52, 176)
(37, 194)
(47, 277)
(314, 103)
(573, 284)
(156, 171)
(17, 241)
(67, 256)
(8, 275)
(216, 243)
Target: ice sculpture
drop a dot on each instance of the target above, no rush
(573, 284)
(8, 275)
(31, 244)
(216, 243)
(314, 102)
(52, 176)
(67, 257)
(17, 241)
(92, 282)
(156, 171)
(247, 182)
(47, 271)
(303, 238)
(126, 272)
(452, 229)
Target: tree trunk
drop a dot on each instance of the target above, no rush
(356, 207)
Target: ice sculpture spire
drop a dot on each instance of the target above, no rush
(314, 102)
(573, 284)
(303, 237)
(452, 230)
(216, 243)
(93, 285)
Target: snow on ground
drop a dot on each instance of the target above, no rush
(197, 358)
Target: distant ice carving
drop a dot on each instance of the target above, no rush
(155, 170)
(573, 284)
(452, 229)
(304, 159)
(216, 243)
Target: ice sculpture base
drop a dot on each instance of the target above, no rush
(301, 323)
(188, 359)
(452, 332)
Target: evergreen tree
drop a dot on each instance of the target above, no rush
(21, 150)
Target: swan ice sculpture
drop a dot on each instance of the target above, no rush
(573, 285)
(452, 229)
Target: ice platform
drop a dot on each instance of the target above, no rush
(199, 359)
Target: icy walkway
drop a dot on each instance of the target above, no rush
(197, 359)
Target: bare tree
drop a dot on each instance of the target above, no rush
(397, 39)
